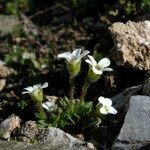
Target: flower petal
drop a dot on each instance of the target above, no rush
(30, 89)
(105, 101)
(77, 52)
(36, 86)
(101, 99)
(103, 111)
(25, 92)
(48, 105)
(66, 55)
(92, 60)
(103, 63)
(45, 85)
(96, 71)
(112, 110)
(107, 69)
(84, 53)
(89, 62)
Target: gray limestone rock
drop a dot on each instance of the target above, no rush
(121, 100)
(45, 138)
(7, 24)
(13, 145)
(48, 139)
(58, 137)
(135, 132)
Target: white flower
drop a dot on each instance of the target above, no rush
(75, 56)
(99, 67)
(49, 105)
(36, 91)
(26, 55)
(35, 87)
(106, 106)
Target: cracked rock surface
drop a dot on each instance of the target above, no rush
(132, 44)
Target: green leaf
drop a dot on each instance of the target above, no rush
(40, 115)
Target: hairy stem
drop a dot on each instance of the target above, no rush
(40, 111)
(84, 90)
(72, 88)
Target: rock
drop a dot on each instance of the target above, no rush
(13, 145)
(51, 98)
(28, 132)
(79, 136)
(146, 147)
(135, 132)
(143, 17)
(59, 146)
(48, 139)
(39, 146)
(121, 100)
(2, 63)
(132, 44)
(2, 84)
(146, 87)
(28, 26)
(58, 138)
(7, 24)
(9, 125)
(4, 71)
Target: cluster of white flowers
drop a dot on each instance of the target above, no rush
(34, 91)
(97, 68)
(76, 57)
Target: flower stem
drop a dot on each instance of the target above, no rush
(72, 88)
(84, 90)
(40, 111)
